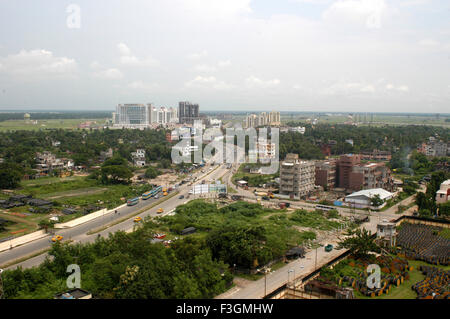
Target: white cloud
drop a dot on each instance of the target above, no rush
(401, 88)
(223, 64)
(428, 42)
(123, 49)
(217, 8)
(198, 55)
(312, 1)
(363, 12)
(127, 58)
(204, 68)
(254, 82)
(207, 82)
(348, 88)
(37, 63)
(140, 85)
(109, 74)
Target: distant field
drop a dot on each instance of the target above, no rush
(44, 124)
(375, 121)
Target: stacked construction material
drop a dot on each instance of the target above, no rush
(394, 271)
(436, 284)
(422, 242)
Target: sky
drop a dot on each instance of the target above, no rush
(243, 55)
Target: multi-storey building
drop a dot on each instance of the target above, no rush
(188, 112)
(344, 167)
(369, 176)
(376, 155)
(296, 176)
(434, 147)
(133, 115)
(325, 174)
(263, 119)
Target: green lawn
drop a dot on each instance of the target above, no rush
(44, 124)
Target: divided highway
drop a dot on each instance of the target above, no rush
(79, 233)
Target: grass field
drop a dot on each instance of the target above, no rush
(44, 124)
(377, 120)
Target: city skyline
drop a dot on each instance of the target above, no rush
(295, 55)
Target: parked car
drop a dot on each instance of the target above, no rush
(181, 197)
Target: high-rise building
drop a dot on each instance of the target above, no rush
(263, 119)
(133, 115)
(187, 112)
(296, 177)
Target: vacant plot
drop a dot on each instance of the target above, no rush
(15, 125)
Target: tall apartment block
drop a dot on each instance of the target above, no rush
(263, 119)
(344, 167)
(296, 176)
(326, 174)
(187, 112)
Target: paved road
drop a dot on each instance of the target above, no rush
(79, 233)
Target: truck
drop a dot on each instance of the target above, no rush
(284, 205)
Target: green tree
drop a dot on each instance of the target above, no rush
(360, 243)
(151, 172)
(10, 175)
(376, 201)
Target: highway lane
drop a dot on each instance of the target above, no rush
(79, 233)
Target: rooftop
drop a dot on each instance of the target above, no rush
(371, 193)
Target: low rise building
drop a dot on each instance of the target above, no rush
(363, 198)
(443, 194)
(138, 157)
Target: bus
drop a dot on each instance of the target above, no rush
(156, 190)
(147, 195)
(324, 207)
(151, 193)
(133, 201)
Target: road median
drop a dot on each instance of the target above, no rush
(102, 228)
